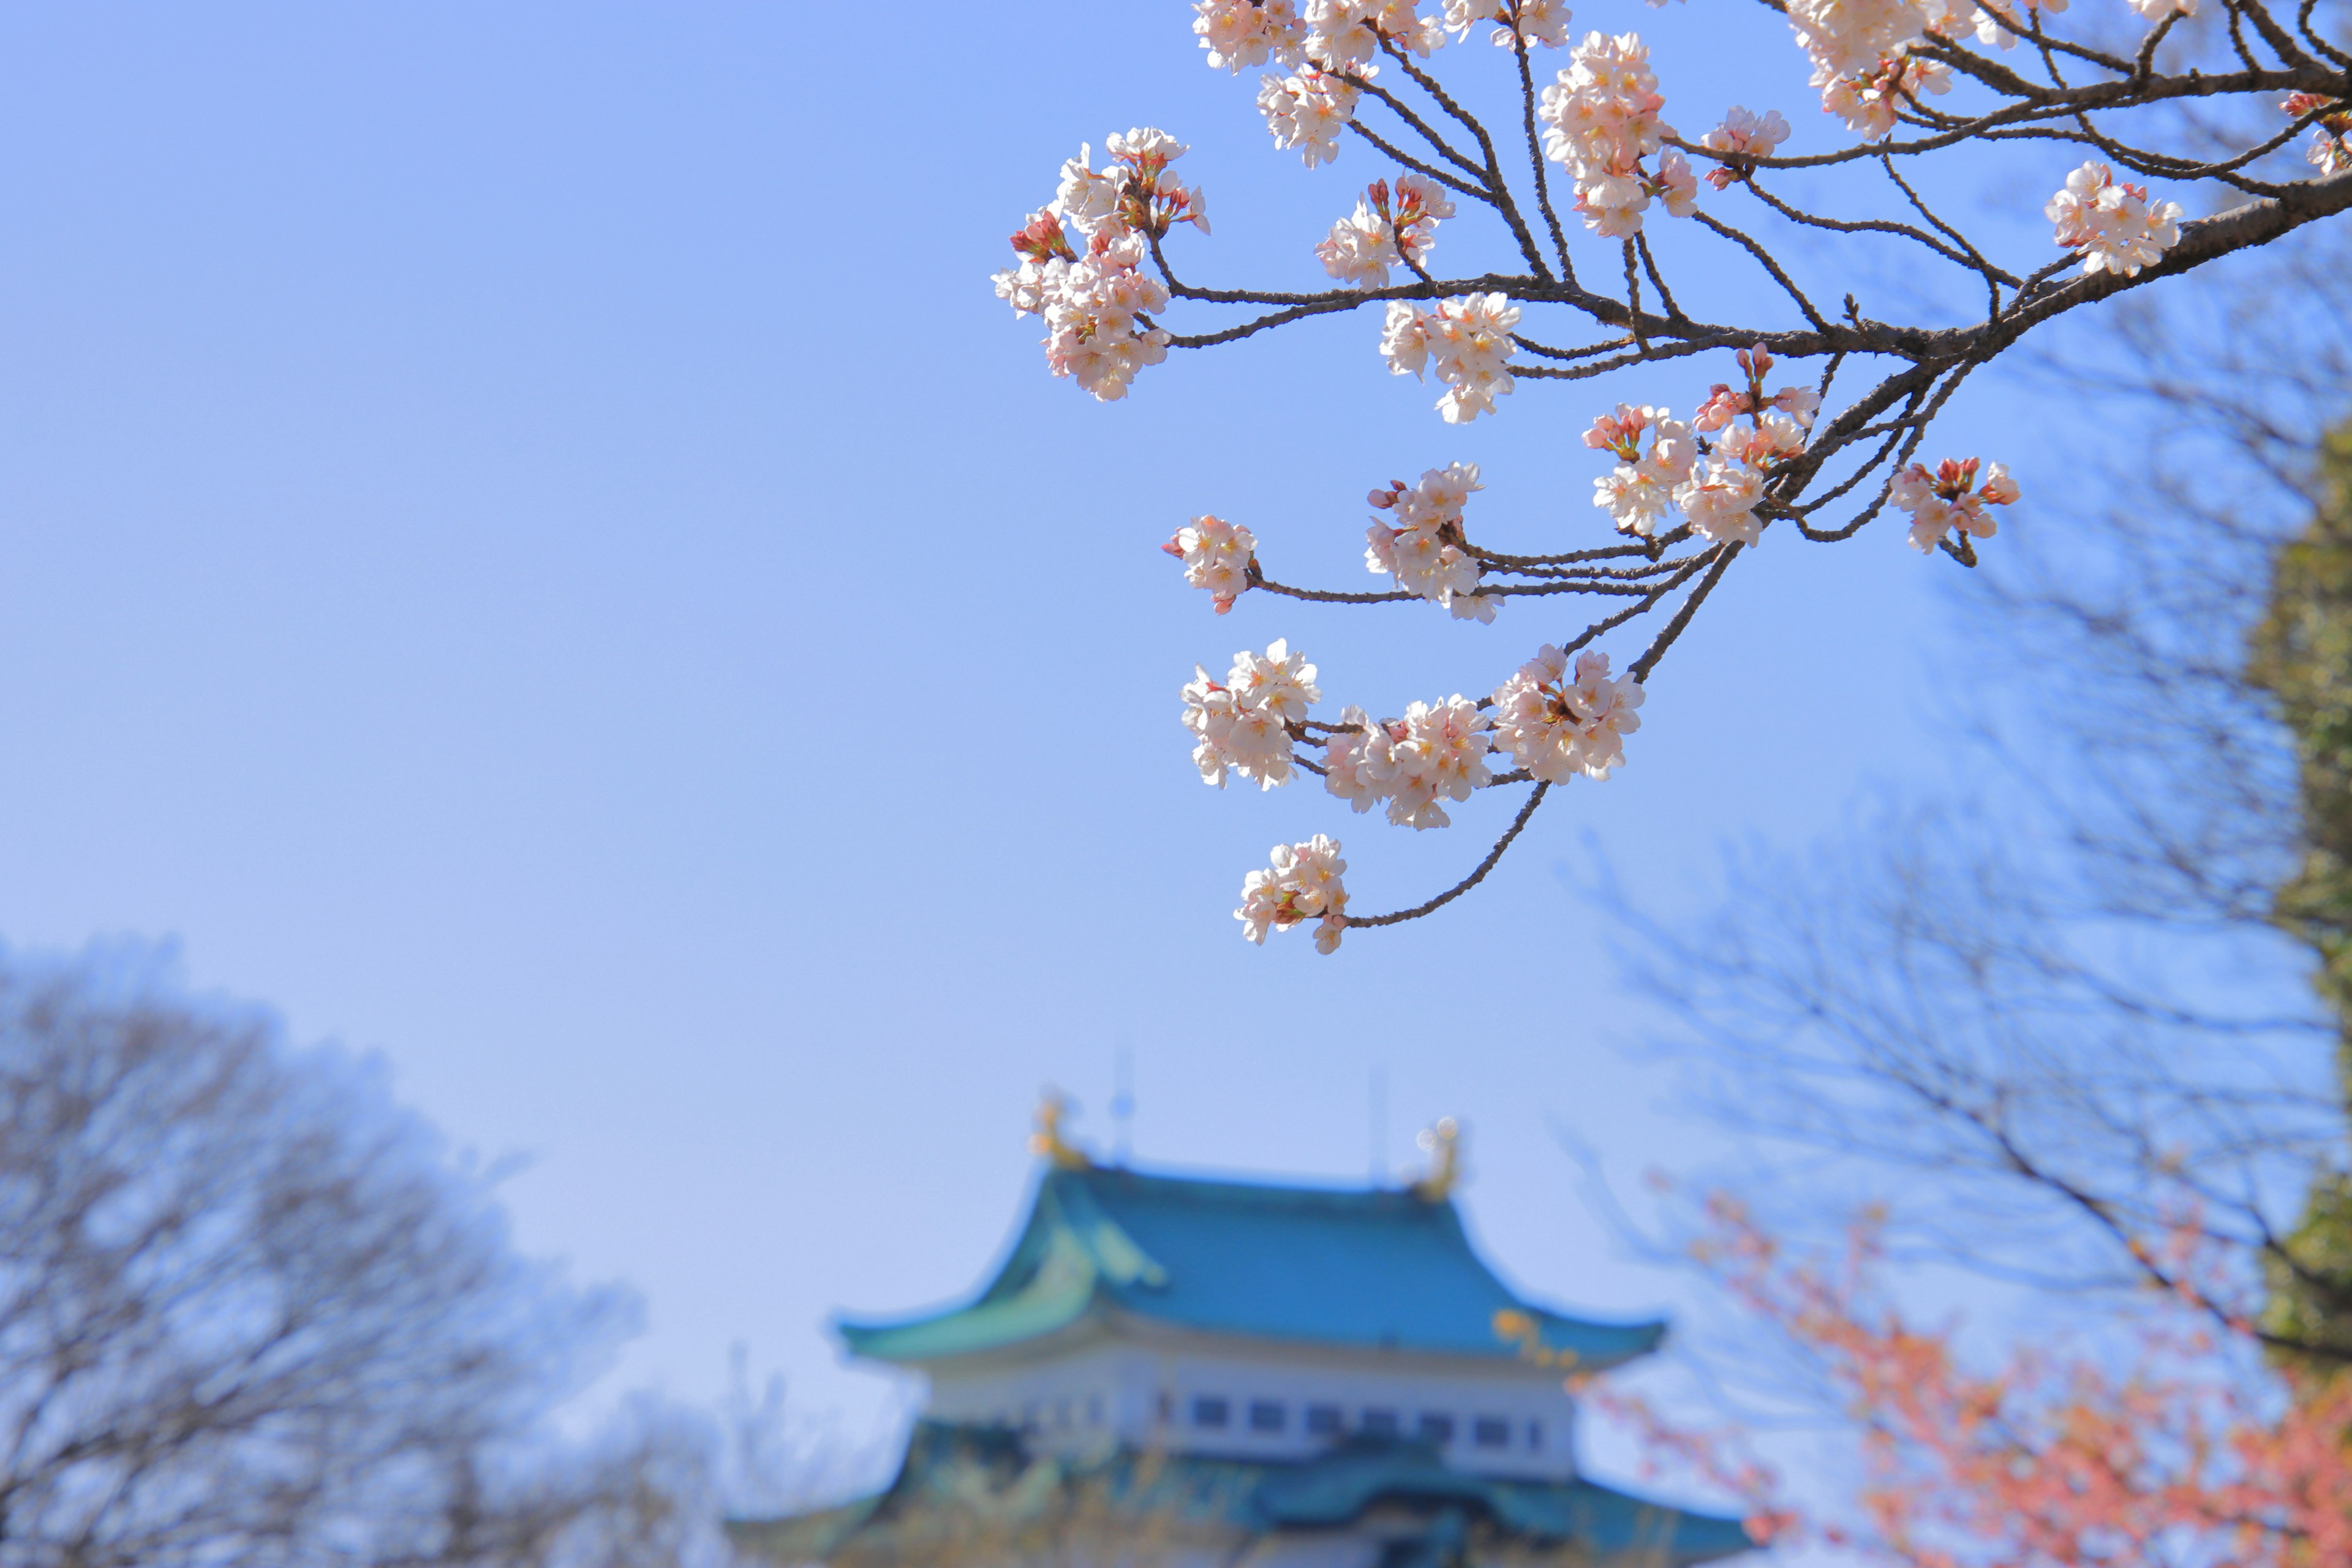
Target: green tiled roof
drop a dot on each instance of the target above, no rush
(1369, 1268)
(968, 1484)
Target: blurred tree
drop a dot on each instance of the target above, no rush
(2086, 1024)
(2302, 655)
(251, 1311)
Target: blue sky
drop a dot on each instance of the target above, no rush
(526, 541)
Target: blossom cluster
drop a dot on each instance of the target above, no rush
(2110, 225)
(1554, 720)
(1600, 120)
(1861, 50)
(2328, 149)
(1466, 340)
(1742, 136)
(1557, 722)
(1304, 883)
(1535, 21)
(1425, 551)
(1245, 725)
(1718, 485)
(1380, 234)
(1322, 43)
(1951, 498)
(1217, 556)
(1307, 110)
(1437, 752)
(1095, 297)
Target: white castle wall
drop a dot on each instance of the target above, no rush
(1262, 1400)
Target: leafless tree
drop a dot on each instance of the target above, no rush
(253, 1312)
(2067, 1004)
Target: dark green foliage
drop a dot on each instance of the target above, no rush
(2302, 655)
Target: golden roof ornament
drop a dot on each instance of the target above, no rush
(1047, 1140)
(1443, 1142)
(1513, 1326)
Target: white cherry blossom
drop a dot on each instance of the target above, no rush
(1541, 22)
(1364, 245)
(1348, 33)
(1216, 557)
(1638, 491)
(1466, 340)
(1241, 33)
(1719, 499)
(1307, 110)
(1437, 752)
(2110, 225)
(1305, 882)
(1742, 135)
(1424, 552)
(1241, 725)
(1556, 727)
(1951, 498)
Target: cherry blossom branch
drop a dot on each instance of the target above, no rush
(1494, 858)
(1750, 455)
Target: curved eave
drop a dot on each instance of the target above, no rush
(1589, 1346)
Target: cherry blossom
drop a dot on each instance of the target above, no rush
(1637, 493)
(1379, 235)
(1096, 301)
(1861, 50)
(1764, 441)
(1541, 22)
(1601, 120)
(1344, 753)
(1243, 725)
(1743, 136)
(1307, 110)
(1993, 25)
(1216, 557)
(2112, 226)
(1437, 751)
(1466, 340)
(1239, 33)
(2157, 10)
(1723, 403)
(1868, 101)
(1304, 883)
(1348, 33)
(1556, 726)
(1425, 552)
(2328, 149)
(1719, 500)
(1951, 498)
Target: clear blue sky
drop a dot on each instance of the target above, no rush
(526, 541)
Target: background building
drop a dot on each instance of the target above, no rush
(1170, 1368)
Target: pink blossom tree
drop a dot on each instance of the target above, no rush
(1612, 255)
(2172, 1443)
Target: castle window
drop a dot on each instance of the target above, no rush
(1379, 1424)
(1094, 1410)
(1062, 1414)
(1534, 1434)
(1029, 1415)
(1323, 1420)
(1267, 1415)
(1167, 1407)
(1210, 1410)
(1435, 1427)
(1491, 1432)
